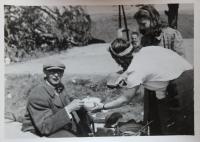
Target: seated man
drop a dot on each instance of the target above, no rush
(154, 68)
(51, 111)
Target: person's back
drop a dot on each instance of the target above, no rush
(155, 64)
(156, 69)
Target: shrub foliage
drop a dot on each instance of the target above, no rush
(30, 30)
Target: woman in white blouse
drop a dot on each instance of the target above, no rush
(152, 67)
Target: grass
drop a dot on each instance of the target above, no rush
(17, 88)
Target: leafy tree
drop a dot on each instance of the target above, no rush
(33, 29)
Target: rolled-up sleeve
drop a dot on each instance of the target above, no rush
(132, 79)
(45, 120)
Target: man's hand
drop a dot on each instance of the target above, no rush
(75, 105)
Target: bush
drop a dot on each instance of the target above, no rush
(33, 29)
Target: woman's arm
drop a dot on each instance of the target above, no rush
(126, 97)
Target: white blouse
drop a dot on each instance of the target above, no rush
(154, 67)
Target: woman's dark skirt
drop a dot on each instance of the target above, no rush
(173, 115)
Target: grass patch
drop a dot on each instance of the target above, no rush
(17, 88)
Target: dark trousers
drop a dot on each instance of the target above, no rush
(151, 113)
(173, 115)
(157, 113)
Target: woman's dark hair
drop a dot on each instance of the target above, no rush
(149, 12)
(118, 46)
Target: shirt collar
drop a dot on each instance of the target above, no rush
(51, 89)
(160, 36)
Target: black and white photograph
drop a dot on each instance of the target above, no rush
(98, 70)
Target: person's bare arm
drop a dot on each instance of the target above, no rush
(126, 97)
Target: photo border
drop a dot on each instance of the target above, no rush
(109, 2)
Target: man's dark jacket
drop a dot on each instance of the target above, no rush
(46, 114)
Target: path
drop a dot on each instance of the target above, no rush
(91, 59)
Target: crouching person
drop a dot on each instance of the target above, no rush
(51, 111)
(168, 82)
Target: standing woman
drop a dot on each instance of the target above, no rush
(157, 32)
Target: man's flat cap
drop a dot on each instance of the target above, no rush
(53, 65)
